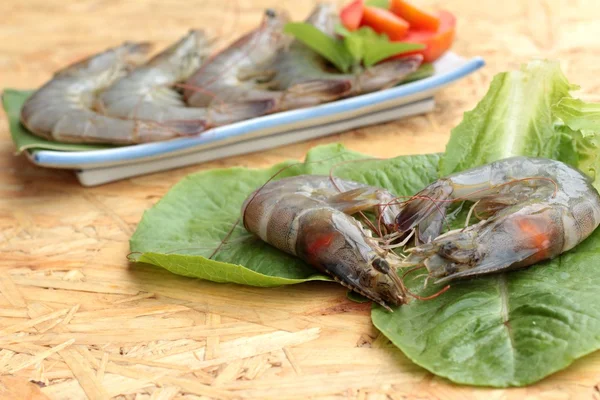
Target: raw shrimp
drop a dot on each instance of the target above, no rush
(535, 209)
(303, 78)
(148, 92)
(227, 75)
(62, 109)
(308, 217)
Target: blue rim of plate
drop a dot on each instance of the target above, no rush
(168, 148)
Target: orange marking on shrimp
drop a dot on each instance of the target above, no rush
(320, 243)
(536, 233)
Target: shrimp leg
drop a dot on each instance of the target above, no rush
(366, 199)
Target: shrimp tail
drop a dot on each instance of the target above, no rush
(387, 74)
(313, 92)
(229, 113)
(149, 131)
(135, 53)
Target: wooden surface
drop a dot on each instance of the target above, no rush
(90, 324)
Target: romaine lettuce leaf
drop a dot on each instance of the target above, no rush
(582, 126)
(514, 118)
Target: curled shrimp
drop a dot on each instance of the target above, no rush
(306, 216)
(148, 92)
(533, 209)
(226, 76)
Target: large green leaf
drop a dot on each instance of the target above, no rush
(511, 329)
(186, 226)
(504, 330)
(13, 100)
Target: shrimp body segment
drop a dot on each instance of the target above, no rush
(306, 216)
(534, 209)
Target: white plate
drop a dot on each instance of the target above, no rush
(97, 176)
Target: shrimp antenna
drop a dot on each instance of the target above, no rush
(366, 220)
(416, 296)
(227, 236)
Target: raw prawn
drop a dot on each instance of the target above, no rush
(148, 92)
(308, 217)
(534, 210)
(227, 76)
(62, 109)
(303, 78)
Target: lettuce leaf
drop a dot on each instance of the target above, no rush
(514, 118)
(582, 126)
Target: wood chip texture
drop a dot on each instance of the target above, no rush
(77, 321)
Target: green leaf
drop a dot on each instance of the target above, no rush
(378, 3)
(504, 330)
(579, 115)
(12, 101)
(356, 297)
(582, 122)
(355, 46)
(328, 47)
(379, 50)
(367, 45)
(516, 328)
(185, 227)
(514, 118)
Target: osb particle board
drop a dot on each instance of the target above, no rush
(78, 321)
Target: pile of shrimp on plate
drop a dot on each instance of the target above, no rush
(530, 209)
(114, 97)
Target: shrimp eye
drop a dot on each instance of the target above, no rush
(381, 265)
(270, 13)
